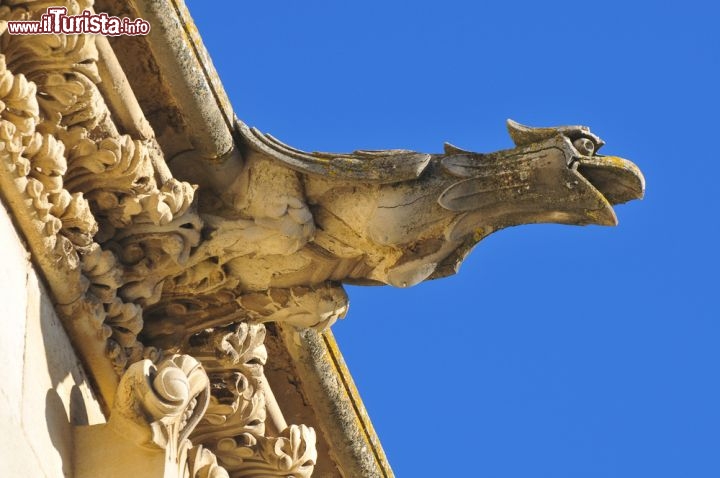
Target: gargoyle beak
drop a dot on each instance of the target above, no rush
(604, 180)
(555, 180)
(618, 179)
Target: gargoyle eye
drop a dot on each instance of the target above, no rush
(584, 146)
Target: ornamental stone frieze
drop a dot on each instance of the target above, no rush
(197, 263)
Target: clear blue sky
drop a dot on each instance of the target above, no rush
(557, 351)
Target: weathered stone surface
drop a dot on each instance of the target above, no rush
(13, 296)
(43, 388)
(336, 403)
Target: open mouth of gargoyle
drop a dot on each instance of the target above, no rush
(617, 179)
(612, 180)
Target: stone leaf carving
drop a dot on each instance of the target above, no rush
(202, 463)
(234, 357)
(93, 197)
(293, 454)
(234, 425)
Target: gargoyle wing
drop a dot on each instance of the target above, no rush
(385, 166)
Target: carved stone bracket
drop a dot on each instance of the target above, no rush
(171, 322)
(155, 410)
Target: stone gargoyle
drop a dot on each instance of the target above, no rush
(290, 227)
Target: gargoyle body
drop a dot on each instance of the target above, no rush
(293, 220)
(399, 217)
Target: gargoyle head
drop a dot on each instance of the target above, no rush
(553, 175)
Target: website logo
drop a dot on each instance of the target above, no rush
(57, 21)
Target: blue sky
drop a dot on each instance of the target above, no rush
(556, 351)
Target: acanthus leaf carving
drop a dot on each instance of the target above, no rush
(83, 183)
(19, 105)
(234, 424)
(234, 356)
(112, 173)
(203, 463)
(292, 455)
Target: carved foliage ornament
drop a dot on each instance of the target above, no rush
(94, 204)
(108, 232)
(161, 404)
(234, 425)
(291, 455)
(155, 410)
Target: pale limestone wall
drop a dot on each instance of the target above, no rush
(43, 389)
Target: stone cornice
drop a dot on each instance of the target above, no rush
(339, 408)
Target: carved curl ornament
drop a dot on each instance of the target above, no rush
(155, 410)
